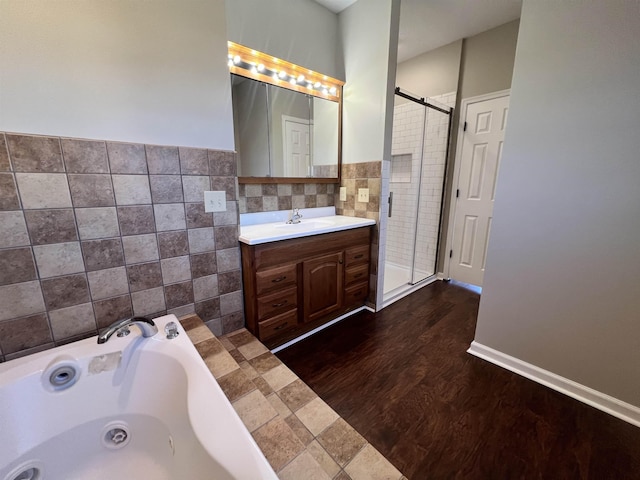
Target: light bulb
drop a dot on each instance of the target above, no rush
(333, 90)
(254, 69)
(317, 85)
(300, 78)
(237, 59)
(309, 85)
(261, 67)
(282, 74)
(292, 81)
(275, 76)
(230, 63)
(325, 91)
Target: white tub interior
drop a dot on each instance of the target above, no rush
(170, 418)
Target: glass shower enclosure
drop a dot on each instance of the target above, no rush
(420, 146)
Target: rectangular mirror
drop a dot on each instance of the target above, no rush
(284, 134)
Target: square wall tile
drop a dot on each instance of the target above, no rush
(23, 333)
(208, 309)
(230, 217)
(194, 161)
(229, 282)
(101, 254)
(197, 217)
(51, 226)
(205, 287)
(131, 189)
(203, 264)
(136, 220)
(140, 248)
(16, 266)
(8, 192)
(226, 237)
(66, 291)
(176, 269)
(163, 160)
(201, 240)
(194, 188)
(230, 303)
(228, 184)
(173, 244)
(85, 156)
(149, 301)
(232, 322)
(20, 299)
(127, 157)
(5, 164)
(91, 190)
(169, 216)
(58, 259)
(253, 190)
(43, 190)
(35, 154)
(112, 310)
(144, 276)
(13, 230)
(228, 259)
(222, 164)
(107, 283)
(71, 321)
(179, 294)
(166, 188)
(99, 222)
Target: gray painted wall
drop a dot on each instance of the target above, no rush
(487, 61)
(300, 31)
(562, 288)
(432, 73)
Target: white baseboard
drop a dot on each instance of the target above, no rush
(622, 410)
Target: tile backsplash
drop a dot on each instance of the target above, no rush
(267, 197)
(92, 232)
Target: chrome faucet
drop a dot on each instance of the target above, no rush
(147, 327)
(295, 216)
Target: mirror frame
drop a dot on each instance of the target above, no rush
(256, 65)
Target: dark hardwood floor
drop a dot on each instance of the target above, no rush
(403, 379)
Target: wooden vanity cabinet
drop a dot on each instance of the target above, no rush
(293, 286)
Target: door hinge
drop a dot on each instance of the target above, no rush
(450, 253)
(464, 128)
(457, 192)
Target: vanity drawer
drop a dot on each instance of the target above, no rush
(273, 278)
(356, 294)
(355, 255)
(355, 274)
(276, 302)
(279, 324)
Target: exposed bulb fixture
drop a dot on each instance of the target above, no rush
(261, 67)
(237, 59)
(230, 62)
(292, 81)
(317, 85)
(254, 69)
(300, 78)
(282, 74)
(332, 90)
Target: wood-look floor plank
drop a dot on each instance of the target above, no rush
(402, 379)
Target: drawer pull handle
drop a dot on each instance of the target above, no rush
(279, 279)
(359, 256)
(276, 305)
(280, 327)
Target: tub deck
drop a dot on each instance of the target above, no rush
(299, 434)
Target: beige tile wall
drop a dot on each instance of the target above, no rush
(364, 175)
(92, 232)
(269, 197)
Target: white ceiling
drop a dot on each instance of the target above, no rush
(429, 24)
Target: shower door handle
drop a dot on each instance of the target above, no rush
(390, 203)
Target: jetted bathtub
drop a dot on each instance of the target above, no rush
(131, 408)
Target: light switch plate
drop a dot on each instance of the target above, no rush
(363, 195)
(343, 194)
(215, 201)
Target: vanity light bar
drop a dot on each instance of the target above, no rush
(266, 68)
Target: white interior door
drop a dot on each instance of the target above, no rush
(478, 160)
(297, 147)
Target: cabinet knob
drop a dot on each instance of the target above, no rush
(340, 261)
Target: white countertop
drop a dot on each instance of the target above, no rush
(315, 221)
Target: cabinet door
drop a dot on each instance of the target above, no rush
(323, 288)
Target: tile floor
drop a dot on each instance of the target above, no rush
(299, 434)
